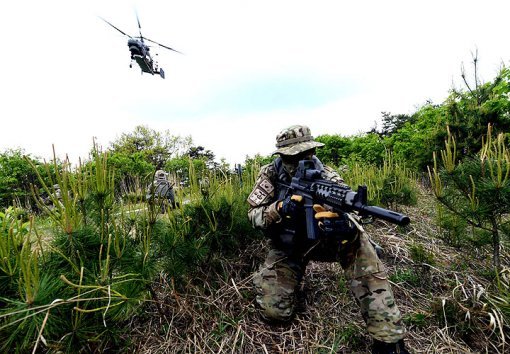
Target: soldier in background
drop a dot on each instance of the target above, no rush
(48, 200)
(161, 191)
(342, 240)
(205, 186)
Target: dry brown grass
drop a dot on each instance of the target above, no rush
(444, 309)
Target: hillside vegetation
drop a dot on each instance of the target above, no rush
(97, 268)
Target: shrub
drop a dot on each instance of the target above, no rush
(390, 185)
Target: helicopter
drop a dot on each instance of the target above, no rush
(140, 52)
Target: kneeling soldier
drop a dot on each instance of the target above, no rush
(343, 240)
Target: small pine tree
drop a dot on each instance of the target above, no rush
(477, 189)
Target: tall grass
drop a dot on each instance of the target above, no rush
(390, 185)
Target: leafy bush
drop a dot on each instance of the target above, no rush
(16, 178)
(364, 148)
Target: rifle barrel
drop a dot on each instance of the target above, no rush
(385, 214)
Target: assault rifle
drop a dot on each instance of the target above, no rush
(309, 184)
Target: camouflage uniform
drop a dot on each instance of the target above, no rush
(278, 278)
(58, 192)
(56, 198)
(204, 185)
(161, 189)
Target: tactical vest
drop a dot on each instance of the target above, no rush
(288, 236)
(161, 189)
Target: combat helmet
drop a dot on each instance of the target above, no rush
(294, 140)
(160, 174)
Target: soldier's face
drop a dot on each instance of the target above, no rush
(291, 162)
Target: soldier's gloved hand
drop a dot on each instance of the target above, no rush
(333, 224)
(327, 219)
(290, 205)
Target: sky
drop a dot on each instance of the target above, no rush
(248, 70)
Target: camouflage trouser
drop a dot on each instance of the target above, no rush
(278, 278)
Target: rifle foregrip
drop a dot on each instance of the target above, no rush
(311, 230)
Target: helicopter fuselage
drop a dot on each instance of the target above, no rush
(136, 47)
(144, 63)
(140, 53)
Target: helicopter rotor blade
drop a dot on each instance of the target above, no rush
(139, 26)
(115, 27)
(162, 45)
